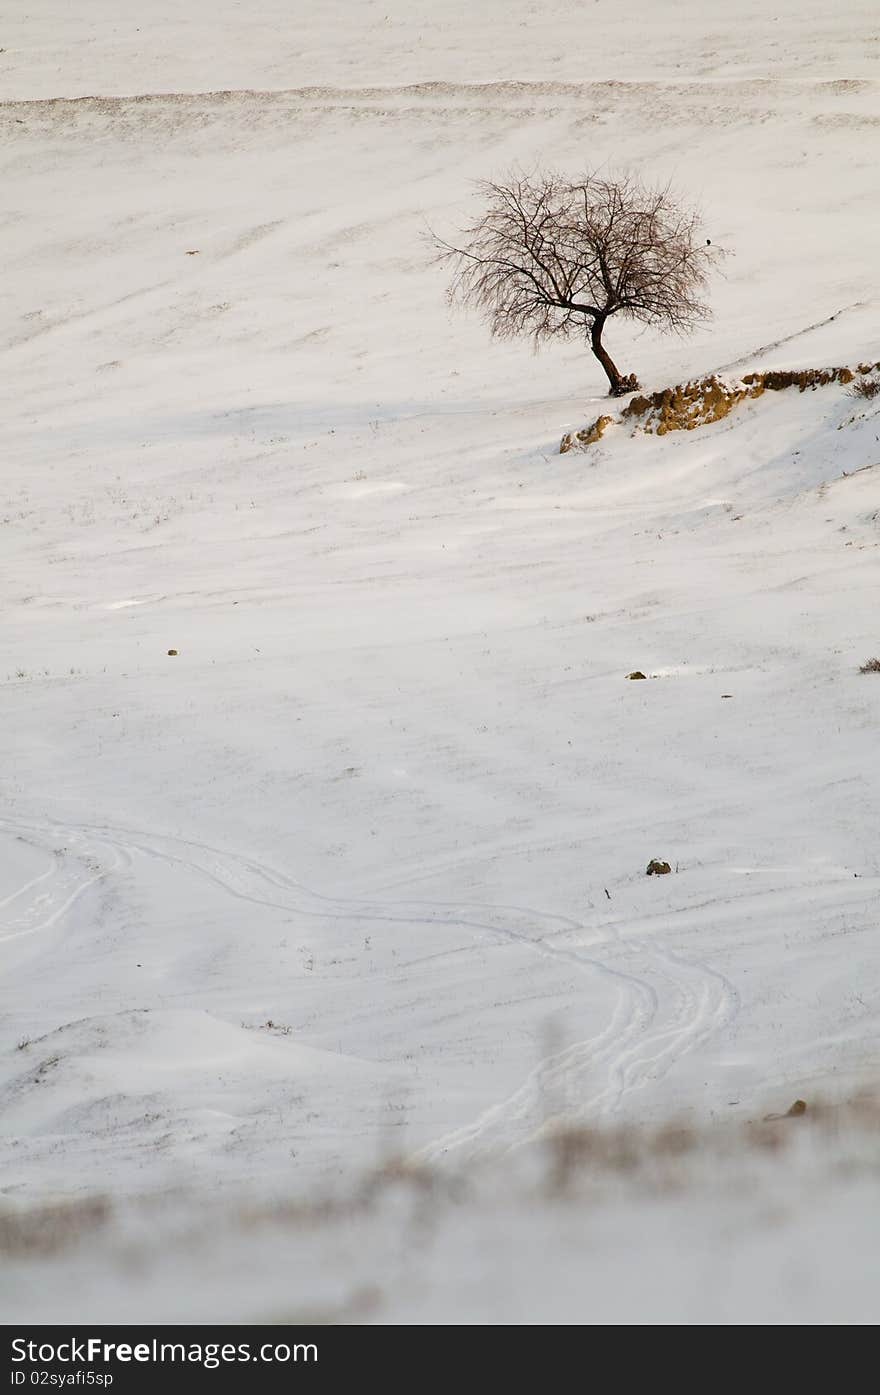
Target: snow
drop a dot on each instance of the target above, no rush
(720, 1232)
(394, 792)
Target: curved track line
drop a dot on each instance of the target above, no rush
(545, 1083)
(64, 881)
(665, 1005)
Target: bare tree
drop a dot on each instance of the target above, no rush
(549, 257)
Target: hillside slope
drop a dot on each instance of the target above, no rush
(364, 858)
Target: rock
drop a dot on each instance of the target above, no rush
(172, 653)
(797, 1109)
(637, 673)
(656, 868)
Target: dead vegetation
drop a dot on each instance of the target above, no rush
(573, 1160)
(587, 437)
(704, 400)
(45, 1230)
(676, 1154)
(870, 666)
(866, 387)
(778, 379)
(685, 406)
(549, 257)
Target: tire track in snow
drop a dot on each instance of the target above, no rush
(665, 1006)
(248, 880)
(666, 1025)
(503, 1125)
(706, 1003)
(42, 900)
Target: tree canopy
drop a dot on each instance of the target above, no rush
(551, 257)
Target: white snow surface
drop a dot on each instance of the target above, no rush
(394, 794)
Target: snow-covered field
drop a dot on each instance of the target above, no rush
(360, 868)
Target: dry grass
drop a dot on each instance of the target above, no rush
(704, 400)
(870, 666)
(685, 406)
(778, 379)
(46, 1230)
(572, 1159)
(672, 1154)
(587, 437)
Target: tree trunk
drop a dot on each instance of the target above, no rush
(605, 358)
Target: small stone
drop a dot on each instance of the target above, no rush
(656, 868)
(637, 673)
(172, 653)
(798, 1109)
